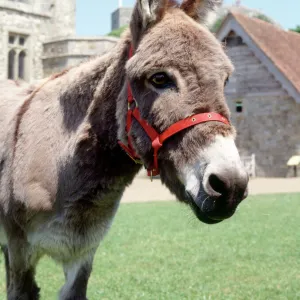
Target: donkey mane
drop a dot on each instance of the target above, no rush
(32, 92)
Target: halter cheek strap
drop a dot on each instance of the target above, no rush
(156, 138)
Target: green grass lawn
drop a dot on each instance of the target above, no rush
(160, 251)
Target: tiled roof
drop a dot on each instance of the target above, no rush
(280, 46)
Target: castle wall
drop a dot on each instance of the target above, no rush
(66, 52)
(20, 19)
(36, 22)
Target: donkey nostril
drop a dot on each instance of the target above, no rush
(217, 184)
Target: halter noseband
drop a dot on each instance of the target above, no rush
(156, 138)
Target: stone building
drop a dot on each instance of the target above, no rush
(38, 38)
(63, 52)
(121, 17)
(264, 92)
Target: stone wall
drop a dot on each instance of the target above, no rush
(269, 125)
(38, 21)
(49, 27)
(66, 52)
(121, 17)
(63, 21)
(23, 19)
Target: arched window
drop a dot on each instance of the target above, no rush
(17, 56)
(22, 64)
(11, 64)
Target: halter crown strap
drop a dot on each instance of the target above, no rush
(156, 138)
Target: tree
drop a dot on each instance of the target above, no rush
(264, 18)
(297, 29)
(118, 32)
(216, 26)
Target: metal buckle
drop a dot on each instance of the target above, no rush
(134, 102)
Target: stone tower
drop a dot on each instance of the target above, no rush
(63, 21)
(121, 17)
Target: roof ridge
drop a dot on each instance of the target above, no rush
(258, 20)
(267, 36)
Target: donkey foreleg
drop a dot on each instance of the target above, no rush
(4, 249)
(77, 274)
(21, 277)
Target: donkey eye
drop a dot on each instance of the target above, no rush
(161, 81)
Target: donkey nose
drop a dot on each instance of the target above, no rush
(218, 185)
(230, 184)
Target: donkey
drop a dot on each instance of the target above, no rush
(159, 94)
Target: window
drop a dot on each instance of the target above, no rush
(21, 41)
(22, 56)
(17, 56)
(11, 39)
(11, 64)
(233, 40)
(239, 106)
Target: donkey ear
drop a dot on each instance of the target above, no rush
(151, 11)
(200, 10)
(145, 14)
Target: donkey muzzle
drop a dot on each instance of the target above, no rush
(222, 190)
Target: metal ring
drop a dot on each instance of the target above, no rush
(209, 116)
(193, 119)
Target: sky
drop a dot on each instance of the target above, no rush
(93, 16)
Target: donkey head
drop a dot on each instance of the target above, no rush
(180, 69)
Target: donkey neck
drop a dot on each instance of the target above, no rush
(102, 113)
(98, 145)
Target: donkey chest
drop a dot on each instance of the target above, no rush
(64, 238)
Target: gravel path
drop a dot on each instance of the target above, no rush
(143, 190)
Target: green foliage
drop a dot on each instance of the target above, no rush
(118, 32)
(216, 26)
(264, 18)
(160, 251)
(297, 29)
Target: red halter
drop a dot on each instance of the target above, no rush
(156, 138)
